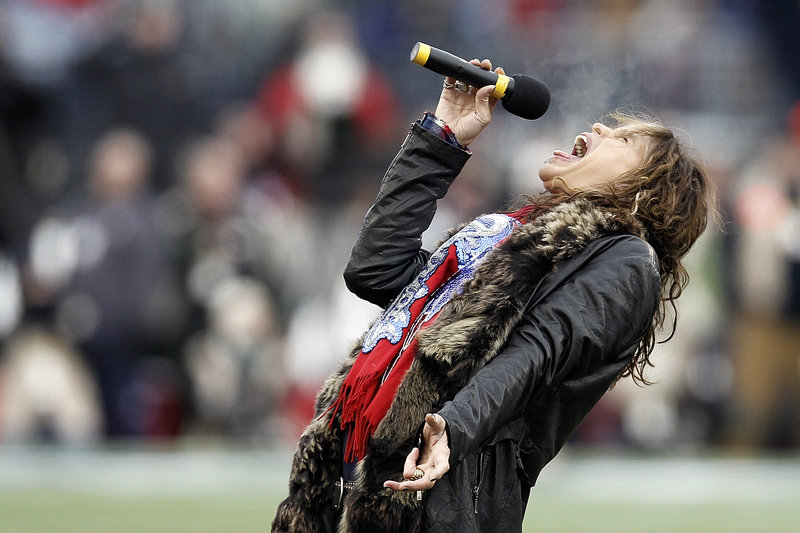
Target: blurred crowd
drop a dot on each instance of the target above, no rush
(181, 182)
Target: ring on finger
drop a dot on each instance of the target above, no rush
(418, 473)
(447, 85)
(461, 86)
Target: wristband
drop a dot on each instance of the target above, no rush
(439, 128)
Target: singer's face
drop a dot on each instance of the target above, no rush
(597, 158)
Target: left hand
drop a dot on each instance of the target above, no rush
(433, 459)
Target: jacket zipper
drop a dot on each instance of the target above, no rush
(476, 490)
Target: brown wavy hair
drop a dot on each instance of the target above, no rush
(668, 201)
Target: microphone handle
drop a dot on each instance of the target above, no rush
(447, 64)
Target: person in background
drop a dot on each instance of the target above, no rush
(332, 112)
(231, 331)
(763, 288)
(97, 262)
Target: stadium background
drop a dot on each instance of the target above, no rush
(180, 184)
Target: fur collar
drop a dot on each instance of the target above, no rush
(468, 333)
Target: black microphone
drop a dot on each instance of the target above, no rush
(520, 94)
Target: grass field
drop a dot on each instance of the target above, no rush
(223, 490)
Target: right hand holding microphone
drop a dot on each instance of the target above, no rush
(467, 113)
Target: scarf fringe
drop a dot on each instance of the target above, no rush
(351, 418)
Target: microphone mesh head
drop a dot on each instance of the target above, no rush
(530, 98)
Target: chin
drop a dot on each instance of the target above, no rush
(547, 187)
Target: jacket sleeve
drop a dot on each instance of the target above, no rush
(388, 251)
(566, 351)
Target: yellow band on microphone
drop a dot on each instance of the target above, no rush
(500, 86)
(422, 55)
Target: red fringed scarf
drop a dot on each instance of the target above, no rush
(390, 344)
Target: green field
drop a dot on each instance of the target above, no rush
(223, 490)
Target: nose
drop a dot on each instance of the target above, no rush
(600, 129)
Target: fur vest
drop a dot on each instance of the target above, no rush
(470, 330)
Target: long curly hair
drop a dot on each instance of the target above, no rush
(668, 201)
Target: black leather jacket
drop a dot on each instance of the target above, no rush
(577, 334)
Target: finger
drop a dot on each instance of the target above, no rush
(423, 483)
(436, 422)
(394, 485)
(483, 108)
(485, 64)
(418, 484)
(450, 82)
(485, 104)
(411, 463)
(434, 471)
(408, 485)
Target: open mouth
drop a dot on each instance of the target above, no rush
(579, 149)
(581, 146)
